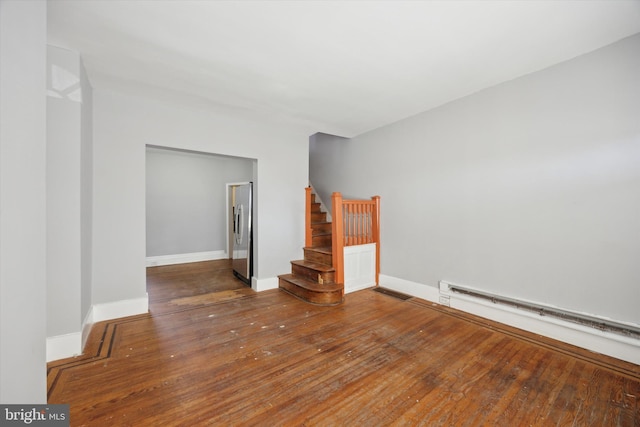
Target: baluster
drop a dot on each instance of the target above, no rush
(352, 229)
(357, 223)
(365, 237)
(362, 228)
(347, 226)
(369, 223)
(350, 225)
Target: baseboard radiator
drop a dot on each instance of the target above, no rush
(581, 319)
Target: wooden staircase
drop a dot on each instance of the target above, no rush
(312, 279)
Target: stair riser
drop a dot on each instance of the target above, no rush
(323, 298)
(320, 258)
(321, 240)
(323, 227)
(318, 216)
(315, 207)
(313, 275)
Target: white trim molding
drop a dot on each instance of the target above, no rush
(260, 285)
(122, 308)
(154, 261)
(69, 345)
(603, 342)
(63, 346)
(415, 289)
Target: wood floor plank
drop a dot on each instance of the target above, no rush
(213, 352)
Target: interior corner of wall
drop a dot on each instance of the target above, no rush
(87, 325)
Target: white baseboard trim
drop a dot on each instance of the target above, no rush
(415, 289)
(598, 341)
(154, 261)
(260, 285)
(63, 346)
(358, 288)
(122, 308)
(607, 343)
(69, 345)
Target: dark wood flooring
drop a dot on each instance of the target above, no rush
(175, 287)
(213, 352)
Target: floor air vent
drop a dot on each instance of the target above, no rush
(391, 293)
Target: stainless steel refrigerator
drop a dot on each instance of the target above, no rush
(242, 253)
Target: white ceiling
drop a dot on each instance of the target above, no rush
(340, 67)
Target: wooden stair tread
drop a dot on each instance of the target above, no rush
(321, 233)
(309, 285)
(313, 265)
(321, 249)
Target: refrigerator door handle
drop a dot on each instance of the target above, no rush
(238, 224)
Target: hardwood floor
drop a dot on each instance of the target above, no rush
(213, 352)
(186, 285)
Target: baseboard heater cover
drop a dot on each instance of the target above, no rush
(581, 319)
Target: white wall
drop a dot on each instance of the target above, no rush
(23, 38)
(69, 190)
(63, 192)
(528, 189)
(86, 193)
(124, 124)
(326, 151)
(186, 200)
(118, 208)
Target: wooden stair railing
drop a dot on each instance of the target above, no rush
(319, 277)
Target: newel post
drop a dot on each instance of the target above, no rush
(308, 237)
(376, 233)
(337, 237)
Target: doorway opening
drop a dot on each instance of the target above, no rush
(187, 223)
